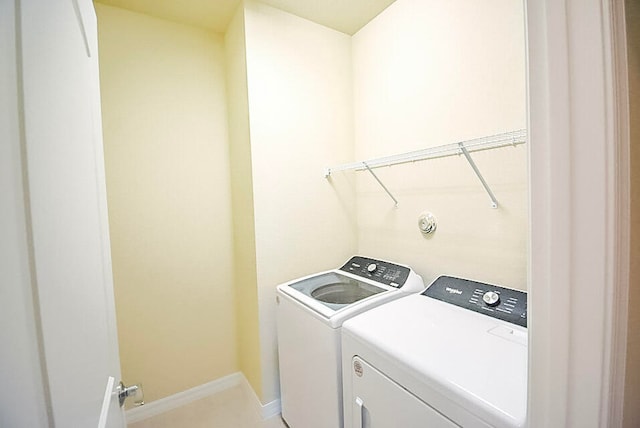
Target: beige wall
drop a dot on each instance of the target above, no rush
(303, 98)
(632, 384)
(244, 254)
(299, 80)
(433, 72)
(167, 168)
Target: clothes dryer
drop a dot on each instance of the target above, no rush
(452, 356)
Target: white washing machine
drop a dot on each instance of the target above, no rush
(310, 313)
(452, 356)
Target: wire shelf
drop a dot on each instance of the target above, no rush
(512, 138)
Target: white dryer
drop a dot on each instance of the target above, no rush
(310, 313)
(452, 356)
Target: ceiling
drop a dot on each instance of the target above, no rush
(346, 16)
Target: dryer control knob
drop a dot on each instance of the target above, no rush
(372, 268)
(491, 298)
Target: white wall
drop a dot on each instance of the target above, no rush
(22, 396)
(299, 81)
(434, 72)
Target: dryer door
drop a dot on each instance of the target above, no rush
(378, 402)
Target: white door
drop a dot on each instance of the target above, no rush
(379, 402)
(66, 202)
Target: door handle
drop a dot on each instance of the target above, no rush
(359, 422)
(125, 392)
(106, 402)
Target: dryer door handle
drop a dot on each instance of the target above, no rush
(359, 416)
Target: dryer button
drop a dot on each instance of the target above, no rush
(491, 298)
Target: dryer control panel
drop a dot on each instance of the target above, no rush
(378, 270)
(498, 302)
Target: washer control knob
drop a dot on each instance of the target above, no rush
(491, 298)
(372, 268)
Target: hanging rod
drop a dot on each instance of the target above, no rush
(512, 138)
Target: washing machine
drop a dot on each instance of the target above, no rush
(310, 313)
(454, 355)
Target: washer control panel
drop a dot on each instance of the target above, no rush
(498, 302)
(377, 270)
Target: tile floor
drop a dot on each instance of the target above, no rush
(227, 409)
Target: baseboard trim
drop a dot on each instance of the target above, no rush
(271, 409)
(265, 411)
(181, 398)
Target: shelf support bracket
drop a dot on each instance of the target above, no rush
(380, 183)
(494, 202)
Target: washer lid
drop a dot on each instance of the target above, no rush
(335, 291)
(443, 353)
